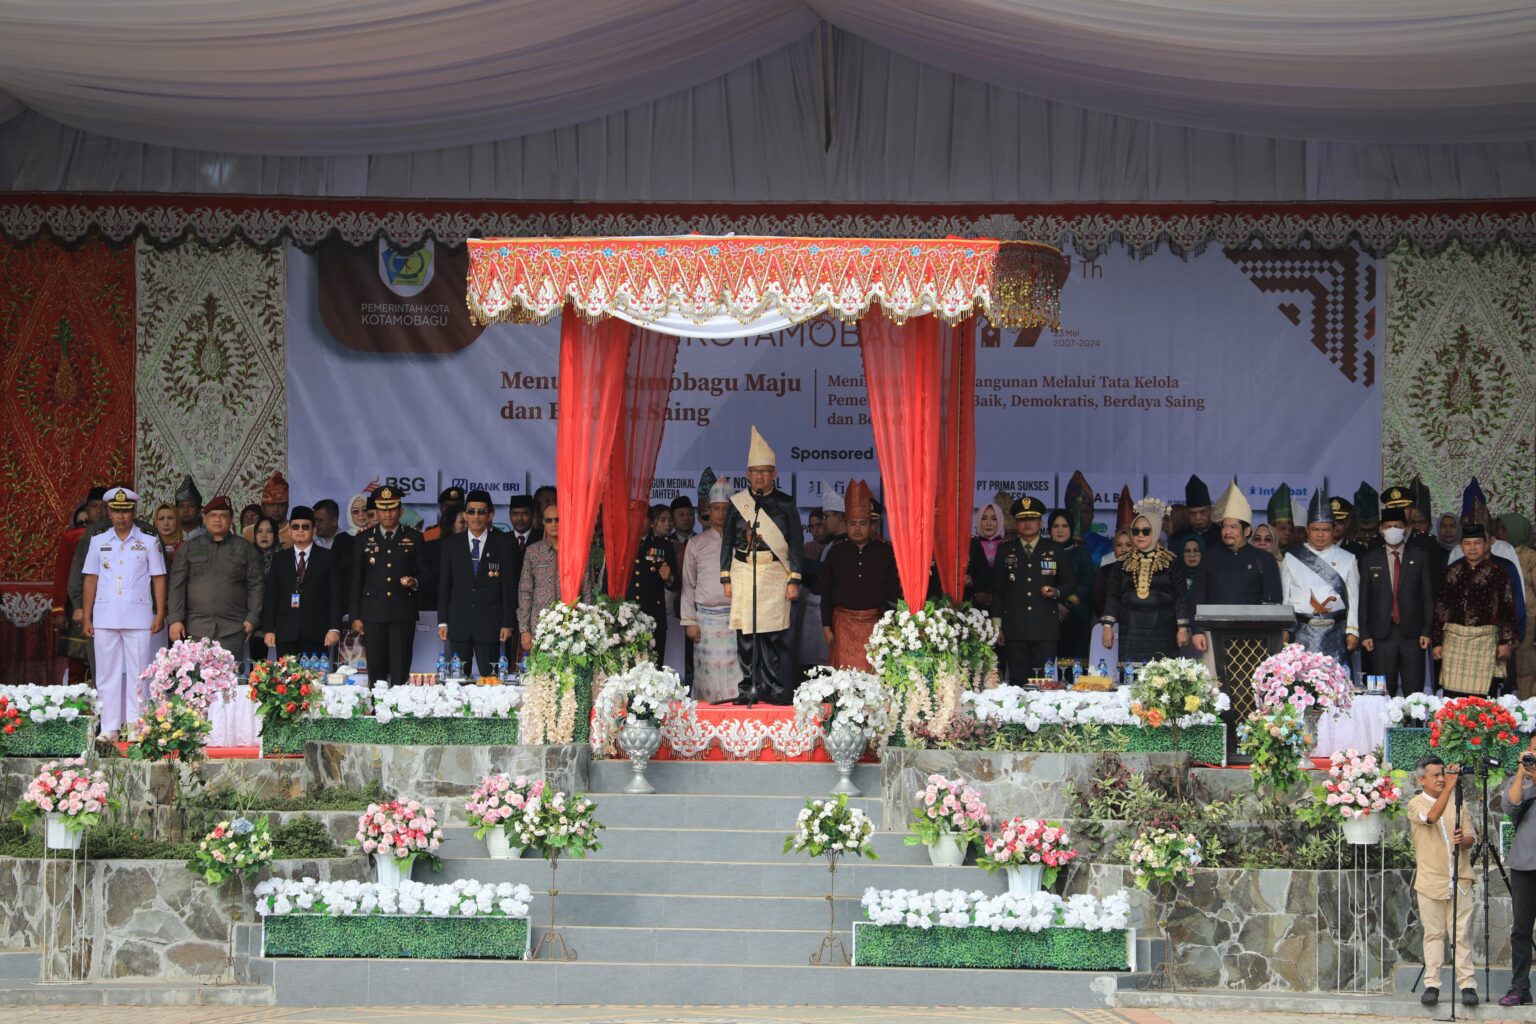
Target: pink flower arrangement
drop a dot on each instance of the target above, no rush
(402, 829)
(949, 806)
(69, 789)
(1023, 841)
(1357, 786)
(1303, 679)
(498, 799)
(197, 671)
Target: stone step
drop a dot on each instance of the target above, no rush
(1406, 975)
(1332, 1004)
(21, 965)
(636, 982)
(698, 810)
(662, 843)
(758, 778)
(133, 993)
(783, 877)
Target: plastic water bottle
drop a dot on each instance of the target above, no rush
(1101, 669)
(501, 667)
(457, 668)
(442, 667)
(1050, 670)
(1129, 671)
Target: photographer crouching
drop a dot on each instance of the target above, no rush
(1516, 801)
(1433, 840)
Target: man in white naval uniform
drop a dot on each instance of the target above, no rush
(124, 606)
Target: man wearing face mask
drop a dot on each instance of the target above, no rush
(1397, 605)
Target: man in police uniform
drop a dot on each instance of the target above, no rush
(1033, 589)
(124, 605)
(216, 583)
(389, 562)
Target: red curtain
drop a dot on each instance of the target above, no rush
(593, 359)
(903, 373)
(632, 464)
(957, 443)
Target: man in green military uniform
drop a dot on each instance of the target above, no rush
(216, 584)
(1033, 589)
(388, 564)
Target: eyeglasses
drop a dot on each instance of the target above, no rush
(1141, 531)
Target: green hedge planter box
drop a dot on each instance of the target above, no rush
(290, 737)
(1405, 746)
(383, 936)
(47, 739)
(1205, 744)
(1062, 949)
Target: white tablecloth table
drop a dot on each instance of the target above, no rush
(1362, 728)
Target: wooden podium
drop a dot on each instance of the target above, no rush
(1241, 637)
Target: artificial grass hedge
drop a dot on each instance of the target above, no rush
(1405, 746)
(290, 737)
(390, 936)
(1063, 949)
(1206, 744)
(58, 738)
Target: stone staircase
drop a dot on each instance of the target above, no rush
(690, 901)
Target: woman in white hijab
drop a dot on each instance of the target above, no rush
(359, 516)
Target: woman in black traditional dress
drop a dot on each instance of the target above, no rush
(1147, 595)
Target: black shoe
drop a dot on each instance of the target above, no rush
(1469, 997)
(1516, 997)
(747, 699)
(1431, 996)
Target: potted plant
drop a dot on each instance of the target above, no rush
(492, 806)
(1030, 851)
(1360, 795)
(1164, 855)
(396, 833)
(557, 825)
(948, 818)
(281, 689)
(1309, 680)
(853, 710)
(831, 829)
(69, 798)
(239, 847)
(633, 705)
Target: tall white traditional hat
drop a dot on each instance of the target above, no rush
(1234, 505)
(759, 454)
(719, 491)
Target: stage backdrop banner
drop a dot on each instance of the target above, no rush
(1256, 363)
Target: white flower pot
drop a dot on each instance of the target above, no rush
(946, 851)
(498, 846)
(392, 870)
(1364, 831)
(60, 838)
(1024, 879)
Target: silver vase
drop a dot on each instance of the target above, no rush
(846, 745)
(639, 739)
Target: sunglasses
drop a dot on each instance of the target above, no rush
(551, 519)
(477, 511)
(1141, 531)
(301, 526)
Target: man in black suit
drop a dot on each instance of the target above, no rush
(1397, 606)
(477, 588)
(1033, 588)
(301, 613)
(389, 563)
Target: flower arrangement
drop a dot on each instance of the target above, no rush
(830, 828)
(1176, 692)
(575, 648)
(948, 806)
(556, 825)
(281, 897)
(238, 847)
(1164, 855)
(1418, 709)
(399, 829)
(644, 692)
(1303, 678)
(446, 700)
(173, 728)
(954, 908)
(79, 795)
(1470, 730)
(498, 799)
(857, 701)
(1023, 841)
(929, 658)
(1357, 787)
(1036, 710)
(197, 671)
(39, 704)
(1278, 744)
(10, 717)
(281, 689)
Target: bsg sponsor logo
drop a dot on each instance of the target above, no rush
(407, 484)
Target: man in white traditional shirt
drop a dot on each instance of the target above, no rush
(1322, 586)
(124, 607)
(705, 611)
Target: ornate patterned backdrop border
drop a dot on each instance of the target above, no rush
(212, 378)
(1460, 397)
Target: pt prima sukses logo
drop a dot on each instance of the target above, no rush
(406, 272)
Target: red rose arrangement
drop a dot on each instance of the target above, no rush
(281, 690)
(1470, 728)
(10, 718)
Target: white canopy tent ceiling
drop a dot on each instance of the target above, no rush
(773, 99)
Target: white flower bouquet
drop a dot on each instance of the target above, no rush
(575, 647)
(644, 692)
(929, 658)
(1037, 709)
(955, 908)
(443, 700)
(281, 897)
(556, 824)
(857, 700)
(40, 704)
(1176, 692)
(830, 828)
